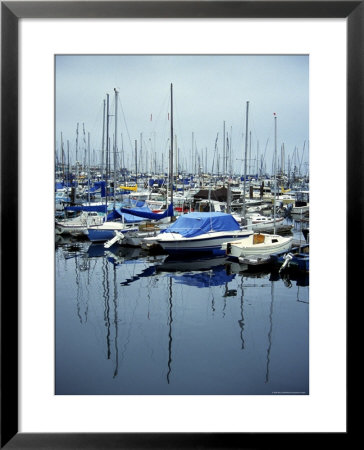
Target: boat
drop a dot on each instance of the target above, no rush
(298, 259)
(61, 198)
(78, 225)
(301, 206)
(200, 232)
(136, 238)
(145, 222)
(106, 231)
(258, 222)
(258, 244)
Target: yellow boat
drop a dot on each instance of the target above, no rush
(129, 188)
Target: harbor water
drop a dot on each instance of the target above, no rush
(130, 322)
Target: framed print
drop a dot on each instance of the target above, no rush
(113, 348)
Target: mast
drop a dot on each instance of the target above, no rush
(107, 148)
(62, 157)
(231, 150)
(88, 169)
(68, 163)
(176, 155)
(136, 163)
(246, 152)
(77, 144)
(223, 153)
(171, 154)
(141, 165)
(275, 173)
(103, 142)
(116, 140)
(250, 160)
(84, 147)
(193, 139)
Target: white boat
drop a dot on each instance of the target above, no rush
(302, 204)
(258, 244)
(61, 198)
(200, 232)
(258, 222)
(78, 225)
(300, 210)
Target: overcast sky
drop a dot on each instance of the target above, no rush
(208, 90)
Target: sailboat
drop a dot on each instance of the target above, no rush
(200, 232)
(106, 231)
(259, 244)
(78, 225)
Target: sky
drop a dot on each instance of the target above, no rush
(208, 92)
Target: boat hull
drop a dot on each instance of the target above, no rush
(299, 262)
(271, 244)
(299, 210)
(210, 243)
(71, 229)
(105, 232)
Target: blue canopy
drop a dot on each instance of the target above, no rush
(146, 213)
(116, 214)
(96, 208)
(132, 215)
(97, 186)
(196, 223)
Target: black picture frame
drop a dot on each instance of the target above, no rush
(11, 12)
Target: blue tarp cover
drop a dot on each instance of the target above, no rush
(97, 208)
(146, 213)
(196, 223)
(132, 215)
(116, 214)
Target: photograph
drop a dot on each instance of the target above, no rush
(181, 224)
(161, 165)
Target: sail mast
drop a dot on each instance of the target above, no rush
(103, 143)
(88, 164)
(107, 149)
(116, 140)
(62, 158)
(171, 151)
(246, 152)
(136, 163)
(275, 173)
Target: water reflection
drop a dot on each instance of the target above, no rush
(178, 318)
(201, 273)
(270, 333)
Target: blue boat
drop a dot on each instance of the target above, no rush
(106, 231)
(124, 220)
(200, 232)
(294, 260)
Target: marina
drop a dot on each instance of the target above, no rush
(181, 269)
(149, 321)
(128, 322)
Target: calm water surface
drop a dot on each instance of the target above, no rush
(132, 323)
